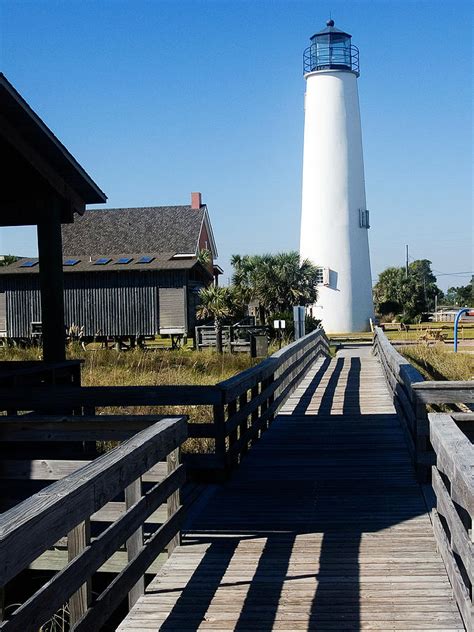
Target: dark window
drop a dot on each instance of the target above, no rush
(102, 261)
(28, 264)
(71, 262)
(124, 260)
(145, 259)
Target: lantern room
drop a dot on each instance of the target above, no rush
(331, 49)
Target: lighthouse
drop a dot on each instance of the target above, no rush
(334, 216)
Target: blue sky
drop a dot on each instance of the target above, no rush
(158, 99)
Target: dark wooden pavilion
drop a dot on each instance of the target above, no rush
(42, 185)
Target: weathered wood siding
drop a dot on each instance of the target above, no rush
(3, 313)
(108, 304)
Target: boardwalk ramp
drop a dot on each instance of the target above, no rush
(323, 527)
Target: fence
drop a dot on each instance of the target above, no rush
(28, 372)
(453, 485)
(411, 395)
(235, 338)
(65, 509)
(243, 406)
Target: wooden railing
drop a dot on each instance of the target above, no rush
(453, 485)
(243, 406)
(411, 395)
(235, 338)
(65, 508)
(205, 336)
(29, 372)
(250, 400)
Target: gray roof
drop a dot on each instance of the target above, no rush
(160, 262)
(114, 231)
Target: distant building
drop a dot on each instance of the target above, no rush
(449, 315)
(129, 273)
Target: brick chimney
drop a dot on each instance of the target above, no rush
(196, 201)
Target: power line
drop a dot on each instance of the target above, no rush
(439, 273)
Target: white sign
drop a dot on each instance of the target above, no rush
(279, 324)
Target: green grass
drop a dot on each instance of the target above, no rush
(465, 332)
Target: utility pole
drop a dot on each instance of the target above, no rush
(406, 262)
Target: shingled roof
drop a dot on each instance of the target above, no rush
(163, 261)
(155, 229)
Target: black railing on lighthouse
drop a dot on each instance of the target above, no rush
(330, 57)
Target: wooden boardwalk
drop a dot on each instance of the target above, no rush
(323, 526)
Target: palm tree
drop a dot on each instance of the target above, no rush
(216, 303)
(277, 281)
(205, 257)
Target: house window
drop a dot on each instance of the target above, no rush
(364, 218)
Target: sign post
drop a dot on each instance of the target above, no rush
(280, 325)
(298, 317)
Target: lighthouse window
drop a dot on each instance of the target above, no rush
(364, 221)
(322, 276)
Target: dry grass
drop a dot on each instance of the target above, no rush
(106, 367)
(440, 363)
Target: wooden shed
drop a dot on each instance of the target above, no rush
(128, 273)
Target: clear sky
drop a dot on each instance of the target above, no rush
(157, 99)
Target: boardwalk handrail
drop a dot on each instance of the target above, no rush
(411, 394)
(65, 507)
(243, 406)
(453, 484)
(241, 419)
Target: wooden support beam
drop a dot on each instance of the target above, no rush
(174, 500)
(77, 541)
(52, 285)
(133, 493)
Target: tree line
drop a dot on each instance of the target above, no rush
(275, 282)
(407, 294)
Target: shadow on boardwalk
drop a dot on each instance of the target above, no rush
(322, 528)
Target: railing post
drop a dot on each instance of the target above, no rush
(263, 407)
(422, 442)
(174, 500)
(271, 399)
(255, 414)
(231, 410)
(220, 438)
(243, 426)
(134, 543)
(77, 540)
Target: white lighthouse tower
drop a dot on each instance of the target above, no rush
(334, 217)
